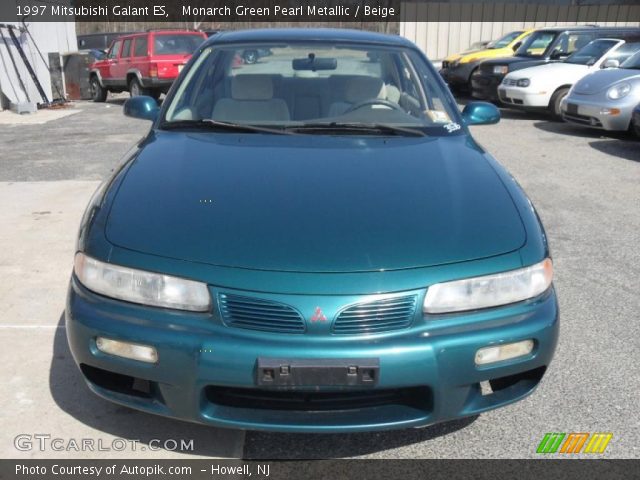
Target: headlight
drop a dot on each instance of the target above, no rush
(501, 69)
(490, 290)
(619, 91)
(138, 286)
(523, 82)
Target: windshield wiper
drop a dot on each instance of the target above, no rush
(371, 128)
(210, 124)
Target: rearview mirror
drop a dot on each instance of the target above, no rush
(611, 63)
(314, 63)
(143, 107)
(480, 113)
(516, 46)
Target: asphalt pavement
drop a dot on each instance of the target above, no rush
(585, 185)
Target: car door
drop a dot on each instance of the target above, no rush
(121, 66)
(107, 68)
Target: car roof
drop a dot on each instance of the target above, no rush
(597, 28)
(308, 34)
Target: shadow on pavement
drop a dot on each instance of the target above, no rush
(261, 445)
(629, 150)
(563, 128)
(73, 396)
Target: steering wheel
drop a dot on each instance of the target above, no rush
(373, 101)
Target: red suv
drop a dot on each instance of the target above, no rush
(143, 63)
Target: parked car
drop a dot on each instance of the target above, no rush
(543, 46)
(143, 63)
(606, 99)
(457, 68)
(635, 120)
(545, 86)
(324, 253)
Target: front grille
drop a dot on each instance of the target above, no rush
(257, 314)
(582, 119)
(263, 399)
(510, 81)
(393, 313)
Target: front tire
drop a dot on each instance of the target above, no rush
(554, 104)
(98, 92)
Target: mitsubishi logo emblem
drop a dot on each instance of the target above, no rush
(318, 316)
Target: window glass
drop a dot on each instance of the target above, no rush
(140, 47)
(505, 41)
(172, 44)
(624, 52)
(592, 52)
(536, 44)
(632, 62)
(113, 53)
(126, 48)
(296, 84)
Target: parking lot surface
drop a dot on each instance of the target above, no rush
(585, 186)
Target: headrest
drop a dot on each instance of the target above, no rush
(252, 87)
(362, 88)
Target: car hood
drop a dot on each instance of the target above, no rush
(313, 203)
(554, 73)
(601, 80)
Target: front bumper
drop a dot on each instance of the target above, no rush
(592, 114)
(519, 97)
(206, 371)
(458, 76)
(484, 86)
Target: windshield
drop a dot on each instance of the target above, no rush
(297, 85)
(536, 44)
(633, 62)
(176, 44)
(592, 52)
(504, 41)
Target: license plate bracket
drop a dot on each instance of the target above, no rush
(292, 372)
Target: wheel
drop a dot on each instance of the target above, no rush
(250, 56)
(135, 89)
(469, 85)
(554, 104)
(635, 128)
(98, 92)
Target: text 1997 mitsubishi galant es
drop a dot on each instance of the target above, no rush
(312, 242)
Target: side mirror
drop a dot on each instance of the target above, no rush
(143, 107)
(557, 55)
(516, 46)
(611, 63)
(480, 113)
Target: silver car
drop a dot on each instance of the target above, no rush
(605, 99)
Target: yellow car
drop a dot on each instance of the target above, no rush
(457, 68)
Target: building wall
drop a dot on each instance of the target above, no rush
(50, 37)
(438, 39)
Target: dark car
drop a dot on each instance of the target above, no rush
(314, 243)
(543, 46)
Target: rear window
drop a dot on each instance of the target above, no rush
(176, 44)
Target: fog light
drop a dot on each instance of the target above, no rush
(500, 353)
(610, 111)
(142, 353)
